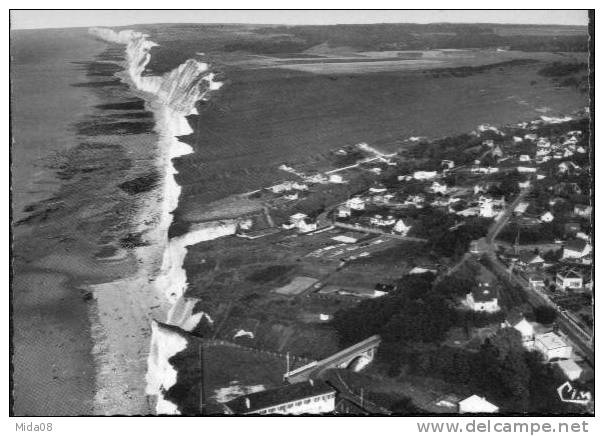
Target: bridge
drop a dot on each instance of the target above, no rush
(355, 358)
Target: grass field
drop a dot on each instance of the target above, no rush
(263, 118)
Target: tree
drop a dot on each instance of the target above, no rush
(545, 314)
(507, 340)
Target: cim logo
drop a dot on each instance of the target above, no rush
(569, 394)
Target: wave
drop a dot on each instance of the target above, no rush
(172, 97)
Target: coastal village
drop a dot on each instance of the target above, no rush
(503, 214)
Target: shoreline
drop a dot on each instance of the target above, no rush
(155, 291)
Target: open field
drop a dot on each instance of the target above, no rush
(344, 61)
(263, 118)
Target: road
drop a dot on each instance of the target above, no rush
(535, 297)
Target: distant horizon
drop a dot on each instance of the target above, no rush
(72, 19)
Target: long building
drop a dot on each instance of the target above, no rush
(310, 397)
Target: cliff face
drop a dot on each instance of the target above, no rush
(172, 96)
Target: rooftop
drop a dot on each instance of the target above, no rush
(484, 292)
(575, 244)
(478, 405)
(551, 341)
(273, 397)
(569, 273)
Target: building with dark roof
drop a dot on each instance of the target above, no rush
(576, 249)
(309, 397)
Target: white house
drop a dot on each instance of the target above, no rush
(424, 175)
(530, 137)
(543, 143)
(571, 370)
(576, 249)
(526, 330)
(476, 404)
(309, 397)
(296, 218)
(483, 299)
(583, 210)
(300, 221)
(517, 139)
(356, 203)
(521, 208)
(569, 278)
(552, 346)
(336, 178)
(401, 228)
(536, 281)
(524, 185)
(526, 170)
(343, 212)
(306, 226)
(547, 217)
(438, 188)
(380, 221)
(524, 158)
(377, 189)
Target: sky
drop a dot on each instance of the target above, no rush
(36, 19)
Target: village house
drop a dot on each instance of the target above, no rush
(576, 249)
(526, 170)
(570, 369)
(521, 208)
(483, 298)
(476, 404)
(582, 210)
(524, 185)
(356, 203)
(490, 207)
(424, 175)
(401, 228)
(528, 260)
(525, 328)
(415, 200)
(343, 212)
(566, 167)
(377, 189)
(309, 397)
(569, 278)
(543, 143)
(476, 169)
(438, 188)
(497, 152)
(517, 139)
(530, 137)
(335, 178)
(536, 281)
(524, 158)
(380, 221)
(288, 186)
(552, 346)
(301, 222)
(547, 217)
